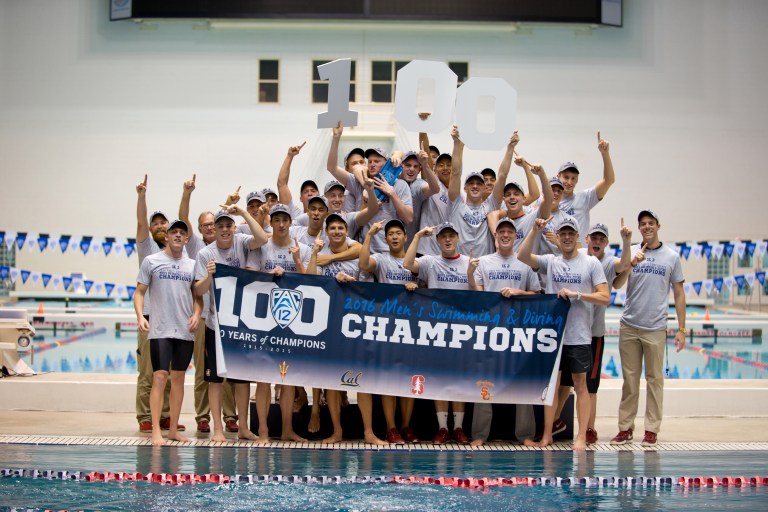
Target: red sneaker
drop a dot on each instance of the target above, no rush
(623, 437)
(231, 426)
(459, 436)
(649, 439)
(591, 436)
(408, 435)
(203, 426)
(558, 426)
(145, 426)
(442, 436)
(393, 436)
(165, 424)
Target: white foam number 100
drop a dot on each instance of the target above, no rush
(447, 101)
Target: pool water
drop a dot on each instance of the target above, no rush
(41, 494)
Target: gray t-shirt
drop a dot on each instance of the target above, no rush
(349, 267)
(547, 247)
(648, 288)
(472, 225)
(434, 211)
(301, 233)
(390, 269)
(598, 312)
(418, 198)
(496, 272)
(170, 280)
(386, 212)
(578, 206)
(581, 273)
(271, 255)
(235, 256)
(146, 248)
(523, 225)
(245, 229)
(445, 273)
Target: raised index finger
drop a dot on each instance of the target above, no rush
(598, 136)
(194, 177)
(238, 189)
(643, 246)
(302, 144)
(145, 179)
(622, 222)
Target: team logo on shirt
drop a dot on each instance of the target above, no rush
(286, 305)
(485, 389)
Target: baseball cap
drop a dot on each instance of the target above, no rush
(554, 180)
(354, 151)
(221, 214)
(331, 184)
(378, 151)
(514, 184)
(443, 156)
(489, 172)
(267, 191)
(394, 223)
(308, 183)
(156, 213)
(319, 198)
(599, 228)
(568, 222)
(434, 148)
(568, 166)
(178, 224)
(256, 196)
(474, 175)
(334, 217)
(645, 213)
(280, 208)
(410, 154)
(505, 220)
(444, 226)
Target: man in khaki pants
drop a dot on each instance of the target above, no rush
(643, 331)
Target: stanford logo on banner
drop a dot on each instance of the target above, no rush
(380, 338)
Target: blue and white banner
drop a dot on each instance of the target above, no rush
(379, 338)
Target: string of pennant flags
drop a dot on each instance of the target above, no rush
(72, 283)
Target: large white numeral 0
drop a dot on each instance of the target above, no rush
(226, 311)
(251, 294)
(445, 82)
(467, 100)
(319, 322)
(337, 74)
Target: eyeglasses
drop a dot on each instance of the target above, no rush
(208, 225)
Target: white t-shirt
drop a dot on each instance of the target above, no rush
(271, 255)
(445, 273)
(496, 272)
(171, 281)
(472, 224)
(578, 206)
(390, 269)
(434, 211)
(598, 312)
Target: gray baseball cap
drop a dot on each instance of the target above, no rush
(332, 184)
(599, 228)
(354, 151)
(334, 217)
(280, 208)
(178, 224)
(256, 196)
(646, 213)
(322, 199)
(267, 191)
(506, 220)
(554, 180)
(515, 185)
(474, 175)
(410, 154)
(568, 166)
(221, 214)
(444, 226)
(378, 151)
(568, 222)
(394, 222)
(158, 213)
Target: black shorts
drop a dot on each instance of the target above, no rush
(593, 377)
(170, 354)
(575, 359)
(209, 365)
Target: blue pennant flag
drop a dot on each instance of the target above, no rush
(739, 281)
(131, 290)
(109, 287)
(751, 246)
(25, 275)
(760, 277)
(42, 242)
(107, 245)
(46, 279)
(85, 244)
(67, 282)
(707, 250)
(718, 282)
(728, 249)
(4, 273)
(697, 287)
(88, 284)
(129, 248)
(2, 236)
(20, 239)
(64, 243)
(685, 250)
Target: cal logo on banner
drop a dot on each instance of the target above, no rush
(312, 331)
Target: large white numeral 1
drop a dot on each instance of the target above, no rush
(467, 100)
(226, 311)
(445, 81)
(337, 74)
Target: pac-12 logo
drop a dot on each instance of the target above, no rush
(417, 385)
(286, 305)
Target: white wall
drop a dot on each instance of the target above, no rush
(88, 106)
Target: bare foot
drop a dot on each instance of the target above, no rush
(545, 441)
(314, 422)
(292, 436)
(476, 442)
(579, 445)
(529, 442)
(176, 436)
(157, 439)
(335, 438)
(372, 439)
(218, 436)
(244, 433)
(301, 400)
(263, 439)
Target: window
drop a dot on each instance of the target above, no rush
(461, 69)
(383, 78)
(320, 87)
(269, 75)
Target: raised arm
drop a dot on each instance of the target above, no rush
(203, 285)
(316, 247)
(533, 188)
(433, 184)
(142, 223)
(339, 173)
(366, 261)
(234, 197)
(363, 217)
(525, 253)
(545, 207)
(284, 193)
(259, 237)
(454, 186)
(609, 177)
(626, 249)
(409, 261)
(504, 166)
(473, 264)
(186, 194)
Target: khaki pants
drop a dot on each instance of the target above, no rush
(635, 347)
(144, 382)
(202, 407)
